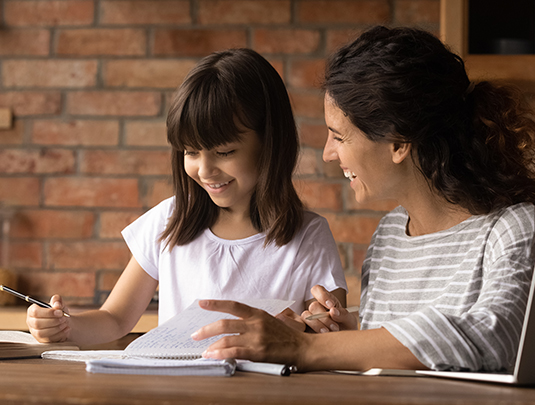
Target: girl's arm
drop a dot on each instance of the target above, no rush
(257, 336)
(117, 316)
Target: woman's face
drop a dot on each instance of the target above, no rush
(369, 165)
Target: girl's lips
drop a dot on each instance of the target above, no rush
(216, 187)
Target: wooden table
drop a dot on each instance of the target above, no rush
(37, 381)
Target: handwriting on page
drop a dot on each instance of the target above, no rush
(174, 335)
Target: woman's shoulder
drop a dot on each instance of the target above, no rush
(512, 226)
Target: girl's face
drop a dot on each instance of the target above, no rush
(368, 165)
(228, 173)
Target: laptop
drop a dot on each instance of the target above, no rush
(523, 373)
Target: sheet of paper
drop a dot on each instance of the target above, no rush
(174, 336)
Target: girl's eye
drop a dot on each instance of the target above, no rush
(189, 153)
(225, 154)
(338, 138)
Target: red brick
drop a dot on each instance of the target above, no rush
(31, 42)
(113, 222)
(49, 73)
(102, 41)
(108, 279)
(286, 41)
(75, 132)
(196, 42)
(156, 192)
(72, 286)
(413, 12)
(244, 12)
(53, 224)
(140, 162)
(353, 284)
(359, 254)
(145, 12)
(25, 255)
(344, 11)
(20, 190)
(320, 195)
(91, 192)
(307, 73)
(307, 163)
(352, 228)
(337, 38)
(36, 161)
(14, 135)
(313, 135)
(106, 103)
(146, 133)
(146, 73)
(307, 104)
(88, 255)
(25, 103)
(49, 13)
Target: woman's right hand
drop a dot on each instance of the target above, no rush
(49, 325)
(339, 318)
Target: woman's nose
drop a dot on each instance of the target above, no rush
(329, 151)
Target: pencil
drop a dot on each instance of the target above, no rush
(27, 298)
(326, 314)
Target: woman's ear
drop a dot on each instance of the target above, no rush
(400, 151)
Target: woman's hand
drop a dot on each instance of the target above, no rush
(339, 318)
(49, 325)
(291, 319)
(257, 336)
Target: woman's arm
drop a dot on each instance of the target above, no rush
(257, 336)
(117, 316)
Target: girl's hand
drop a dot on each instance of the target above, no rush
(257, 336)
(49, 325)
(338, 319)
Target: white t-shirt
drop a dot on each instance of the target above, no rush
(211, 267)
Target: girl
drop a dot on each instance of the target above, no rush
(235, 227)
(447, 275)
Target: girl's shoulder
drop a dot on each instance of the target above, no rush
(516, 221)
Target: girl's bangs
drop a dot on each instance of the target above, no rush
(209, 117)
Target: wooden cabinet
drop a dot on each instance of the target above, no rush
(454, 31)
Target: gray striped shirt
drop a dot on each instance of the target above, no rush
(455, 298)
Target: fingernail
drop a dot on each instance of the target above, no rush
(334, 327)
(324, 330)
(195, 335)
(58, 312)
(336, 312)
(329, 304)
(208, 354)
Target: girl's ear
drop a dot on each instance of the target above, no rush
(400, 151)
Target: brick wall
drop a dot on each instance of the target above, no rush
(89, 84)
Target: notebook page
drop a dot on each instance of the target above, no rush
(173, 338)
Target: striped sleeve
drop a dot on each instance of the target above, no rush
(486, 336)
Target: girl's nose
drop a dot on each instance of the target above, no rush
(329, 151)
(207, 168)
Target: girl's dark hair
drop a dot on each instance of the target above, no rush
(473, 142)
(227, 89)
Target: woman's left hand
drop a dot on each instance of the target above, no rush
(257, 336)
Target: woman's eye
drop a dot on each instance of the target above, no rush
(189, 153)
(225, 154)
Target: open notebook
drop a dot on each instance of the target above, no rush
(523, 373)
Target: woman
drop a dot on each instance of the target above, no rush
(447, 274)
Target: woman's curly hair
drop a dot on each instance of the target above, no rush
(474, 142)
